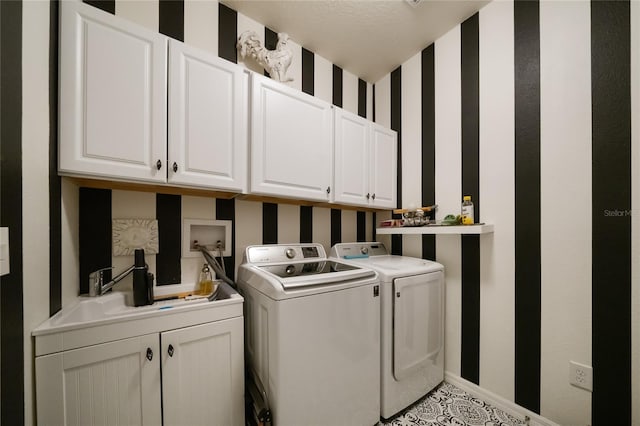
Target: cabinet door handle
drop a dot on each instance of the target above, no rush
(373, 196)
(158, 164)
(368, 196)
(170, 350)
(175, 167)
(149, 354)
(328, 189)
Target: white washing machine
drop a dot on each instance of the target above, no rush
(412, 341)
(312, 334)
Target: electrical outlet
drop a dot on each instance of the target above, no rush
(581, 375)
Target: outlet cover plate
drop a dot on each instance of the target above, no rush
(581, 375)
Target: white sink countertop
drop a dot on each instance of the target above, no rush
(93, 320)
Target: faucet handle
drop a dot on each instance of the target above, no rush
(96, 281)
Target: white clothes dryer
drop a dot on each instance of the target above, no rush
(412, 322)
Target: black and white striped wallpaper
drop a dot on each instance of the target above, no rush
(527, 107)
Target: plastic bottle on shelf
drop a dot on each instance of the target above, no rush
(467, 211)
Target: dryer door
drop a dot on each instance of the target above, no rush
(418, 304)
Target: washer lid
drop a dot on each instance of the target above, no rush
(302, 274)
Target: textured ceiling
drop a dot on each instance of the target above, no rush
(368, 38)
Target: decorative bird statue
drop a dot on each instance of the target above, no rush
(275, 62)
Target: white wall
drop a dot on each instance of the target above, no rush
(565, 157)
(35, 180)
(411, 107)
(448, 147)
(383, 117)
(497, 256)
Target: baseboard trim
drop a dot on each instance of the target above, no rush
(497, 401)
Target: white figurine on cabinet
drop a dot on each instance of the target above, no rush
(275, 62)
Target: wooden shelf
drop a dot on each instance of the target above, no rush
(438, 229)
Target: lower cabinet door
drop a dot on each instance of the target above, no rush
(203, 374)
(116, 383)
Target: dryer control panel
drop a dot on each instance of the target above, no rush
(358, 250)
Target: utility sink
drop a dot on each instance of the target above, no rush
(111, 317)
(112, 306)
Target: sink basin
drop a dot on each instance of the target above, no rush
(116, 306)
(95, 320)
(111, 306)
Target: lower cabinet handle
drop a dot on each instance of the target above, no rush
(170, 350)
(149, 354)
(368, 196)
(158, 164)
(373, 196)
(175, 167)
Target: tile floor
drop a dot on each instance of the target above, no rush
(448, 405)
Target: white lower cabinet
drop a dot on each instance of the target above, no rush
(202, 374)
(192, 375)
(115, 383)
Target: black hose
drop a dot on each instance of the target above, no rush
(216, 266)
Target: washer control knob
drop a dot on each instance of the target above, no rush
(289, 270)
(290, 253)
(364, 250)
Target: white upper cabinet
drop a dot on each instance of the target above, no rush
(207, 120)
(384, 167)
(351, 158)
(138, 107)
(364, 162)
(291, 142)
(113, 96)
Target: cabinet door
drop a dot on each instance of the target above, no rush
(351, 158)
(113, 96)
(203, 374)
(207, 120)
(291, 142)
(384, 167)
(109, 384)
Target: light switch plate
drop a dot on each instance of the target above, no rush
(4, 251)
